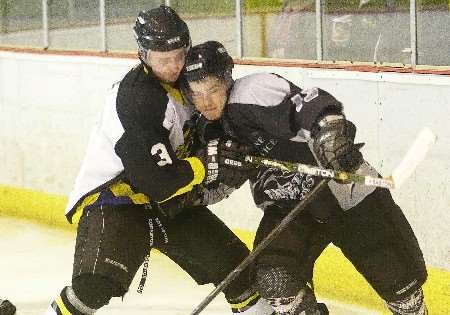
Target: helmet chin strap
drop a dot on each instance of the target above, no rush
(142, 54)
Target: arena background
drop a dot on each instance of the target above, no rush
(57, 58)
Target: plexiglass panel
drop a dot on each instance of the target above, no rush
(120, 19)
(280, 30)
(366, 31)
(374, 31)
(21, 23)
(433, 32)
(209, 20)
(74, 25)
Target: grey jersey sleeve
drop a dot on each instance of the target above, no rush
(270, 103)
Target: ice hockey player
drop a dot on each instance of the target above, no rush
(7, 308)
(280, 120)
(130, 193)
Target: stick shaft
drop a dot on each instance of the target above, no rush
(261, 246)
(322, 172)
(416, 153)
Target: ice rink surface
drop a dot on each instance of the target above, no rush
(36, 263)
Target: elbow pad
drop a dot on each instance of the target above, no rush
(310, 106)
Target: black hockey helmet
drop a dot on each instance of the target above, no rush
(209, 58)
(160, 29)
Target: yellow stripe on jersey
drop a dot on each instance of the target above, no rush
(183, 150)
(119, 189)
(175, 93)
(199, 175)
(245, 303)
(86, 202)
(197, 168)
(122, 189)
(146, 70)
(62, 307)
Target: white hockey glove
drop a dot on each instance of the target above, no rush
(334, 145)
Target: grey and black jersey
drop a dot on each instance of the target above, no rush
(277, 117)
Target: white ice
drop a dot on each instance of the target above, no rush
(36, 263)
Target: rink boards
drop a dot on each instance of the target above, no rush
(48, 103)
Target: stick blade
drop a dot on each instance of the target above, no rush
(414, 156)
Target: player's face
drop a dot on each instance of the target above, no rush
(209, 96)
(167, 65)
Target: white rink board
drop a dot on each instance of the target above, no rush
(49, 103)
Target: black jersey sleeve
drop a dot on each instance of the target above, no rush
(159, 182)
(150, 163)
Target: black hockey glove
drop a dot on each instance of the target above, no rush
(224, 162)
(7, 308)
(178, 204)
(334, 146)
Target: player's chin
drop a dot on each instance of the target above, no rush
(169, 78)
(212, 115)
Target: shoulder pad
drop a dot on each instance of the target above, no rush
(264, 89)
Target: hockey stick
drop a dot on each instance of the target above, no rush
(415, 155)
(261, 246)
(321, 172)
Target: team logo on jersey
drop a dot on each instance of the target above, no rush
(263, 145)
(279, 185)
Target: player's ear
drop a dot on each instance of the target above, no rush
(228, 79)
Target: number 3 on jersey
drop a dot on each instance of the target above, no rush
(160, 150)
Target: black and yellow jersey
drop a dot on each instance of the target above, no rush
(137, 151)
